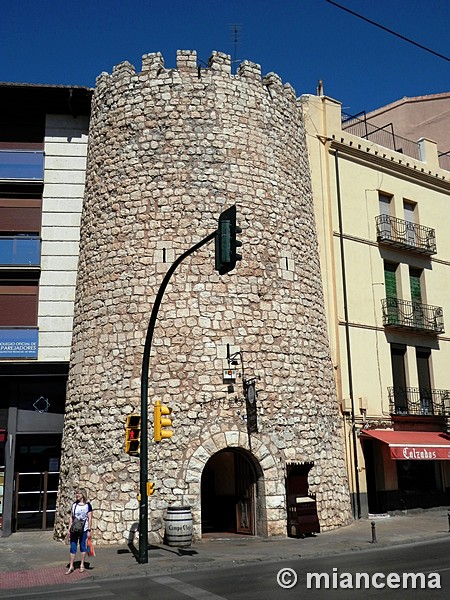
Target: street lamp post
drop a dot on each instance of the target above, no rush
(226, 256)
(143, 477)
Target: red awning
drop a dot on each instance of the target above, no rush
(413, 445)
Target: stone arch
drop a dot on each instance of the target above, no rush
(232, 494)
(269, 466)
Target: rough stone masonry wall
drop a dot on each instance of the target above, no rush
(169, 149)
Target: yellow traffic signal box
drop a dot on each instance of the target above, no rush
(133, 434)
(160, 422)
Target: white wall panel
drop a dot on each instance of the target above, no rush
(64, 175)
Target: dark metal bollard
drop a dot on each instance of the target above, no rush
(374, 533)
(448, 517)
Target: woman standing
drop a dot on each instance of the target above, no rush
(79, 528)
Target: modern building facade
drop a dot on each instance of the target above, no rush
(43, 146)
(385, 263)
(169, 150)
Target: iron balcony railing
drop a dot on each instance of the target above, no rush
(406, 235)
(444, 160)
(419, 401)
(383, 136)
(405, 314)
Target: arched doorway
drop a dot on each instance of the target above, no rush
(231, 493)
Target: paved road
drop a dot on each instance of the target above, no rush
(259, 581)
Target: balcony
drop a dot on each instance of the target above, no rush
(20, 251)
(383, 136)
(21, 165)
(413, 316)
(419, 402)
(405, 235)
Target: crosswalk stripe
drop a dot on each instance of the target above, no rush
(186, 589)
(90, 591)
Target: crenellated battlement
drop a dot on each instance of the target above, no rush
(187, 61)
(188, 66)
(153, 64)
(218, 61)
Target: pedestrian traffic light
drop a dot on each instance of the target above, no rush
(226, 242)
(160, 422)
(133, 435)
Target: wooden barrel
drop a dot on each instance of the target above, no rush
(179, 526)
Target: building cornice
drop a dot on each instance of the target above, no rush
(55, 99)
(389, 161)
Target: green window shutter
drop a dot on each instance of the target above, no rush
(390, 280)
(416, 298)
(414, 282)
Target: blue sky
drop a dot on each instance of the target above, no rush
(61, 42)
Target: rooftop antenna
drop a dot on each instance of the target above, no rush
(235, 30)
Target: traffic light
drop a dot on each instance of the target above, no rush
(226, 242)
(133, 435)
(160, 422)
(150, 490)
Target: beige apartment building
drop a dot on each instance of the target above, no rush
(385, 260)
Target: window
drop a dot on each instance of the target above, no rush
(20, 216)
(423, 356)
(384, 203)
(410, 222)
(384, 224)
(398, 352)
(414, 282)
(20, 225)
(390, 279)
(18, 304)
(418, 477)
(390, 282)
(416, 297)
(22, 165)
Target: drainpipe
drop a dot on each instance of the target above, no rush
(70, 104)
(347, 339)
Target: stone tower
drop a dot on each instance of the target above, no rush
(169, 149)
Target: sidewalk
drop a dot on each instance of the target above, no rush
(29, 559)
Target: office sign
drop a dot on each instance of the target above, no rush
(18, 343)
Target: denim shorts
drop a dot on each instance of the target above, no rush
(74, 539)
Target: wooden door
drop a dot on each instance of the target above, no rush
(398, 352)
(244, 496)
(423, 356)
